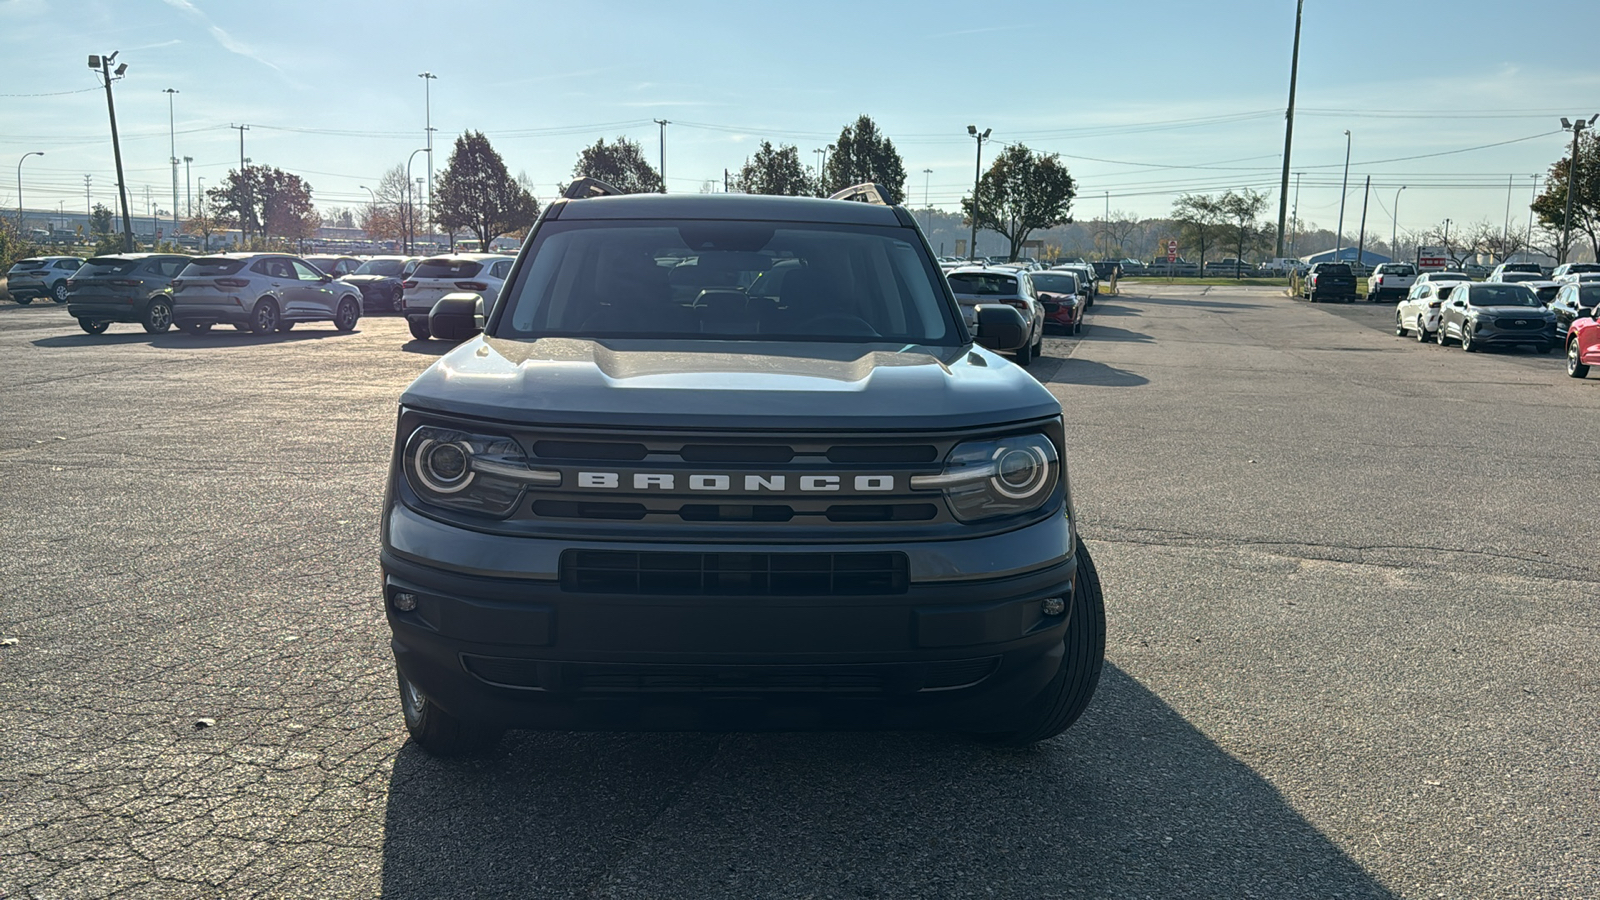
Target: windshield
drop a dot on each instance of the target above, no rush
(1502, 295)
(1547, 292)
(983, 283)
(1056, 283)
(447, 268)
(703, 280)
(1399, 270)
(1588, 294)
(1517, 277)
(384, 267)
(212, 267)
(107, 265)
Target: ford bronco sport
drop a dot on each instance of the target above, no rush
(733, 462)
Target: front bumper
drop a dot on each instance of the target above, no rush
(1497, 337)
(495, 637)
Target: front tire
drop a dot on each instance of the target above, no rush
(438, 732)
(1024, 355)
(347, 315)
(1466, 339)
(1064, 699)
(1440, 337)
(157, 317)
(1575, 368)
(59, 292)
(264, 318)
(1399, 325)
(93, 327)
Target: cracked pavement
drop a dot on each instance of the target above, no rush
(1352, 645)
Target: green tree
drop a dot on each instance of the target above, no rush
(862, 154)
(1551, 206)
(1201, 219)
(101, 221)
(476, 192)
(1243, 212)
(775, 171)
(264, 200)
(621, 164)
(1022, 192)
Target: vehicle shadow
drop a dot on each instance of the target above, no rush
(428, 348)
(180, 340)
(1131, 802)
(1203, 304)
(1089, 372)
(1110, 307)
(1096, 331)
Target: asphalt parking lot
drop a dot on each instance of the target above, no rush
(1352, 646)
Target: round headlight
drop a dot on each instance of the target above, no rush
(1020, 472)
(444, 467)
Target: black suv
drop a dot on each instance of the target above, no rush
(733, 462)
(124, 287)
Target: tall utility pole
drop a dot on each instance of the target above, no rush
(1288, 127)
(172, 137)
(1361, 242)
(1294, 217)
(1344, 191)
(1572, 180)
(1528, 242)
(87, 208)
(103, 63)
(428, 78)
(977, 178)
(663, 123)
(244, 182)
(1505, 234)
(188, 189)
(927, 208)
(1394, 223)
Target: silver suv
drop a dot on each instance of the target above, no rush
(976, 285)
(41, 276)
(260, 292)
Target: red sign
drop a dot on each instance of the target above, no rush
(1172, 251)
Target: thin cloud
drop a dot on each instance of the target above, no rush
(170, 43)
(988, 30)
(227, 40)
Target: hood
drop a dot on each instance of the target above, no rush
(367, 279)
(725, 384)
(1526, 312)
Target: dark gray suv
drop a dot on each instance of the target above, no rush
(733, 462)
(1484, 314)
(125, 287)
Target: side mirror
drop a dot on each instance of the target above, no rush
(325, 278)
(457, 317)
(1000, 328)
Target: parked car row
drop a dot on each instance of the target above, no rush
(1449, 306)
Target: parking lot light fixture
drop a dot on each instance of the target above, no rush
(977, 178)
(411, 214)
(1344, 190)
(1394, 223)
(1576, 127)
(19, 183)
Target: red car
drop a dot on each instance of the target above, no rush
(1064, 298)
(1583, 343)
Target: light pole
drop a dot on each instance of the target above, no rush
(663, 123)
(188, 189)
(1528, 242)
(428, 78)
(19, 183)
(927, 208)
(1576, 128)
(1394, 223)
(172, 142)
(103, 65)
(1294, 217)
(411, 214)
(1344, 189)
(977, 177)
(1288, 127)
(821, 178)
(244, 182)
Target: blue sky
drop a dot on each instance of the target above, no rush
(1146, 100)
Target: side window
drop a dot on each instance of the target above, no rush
(304, 272)
(263, 267)
(501, 269)
(71, 265)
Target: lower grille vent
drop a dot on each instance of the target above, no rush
(569, 677)
(734, 574)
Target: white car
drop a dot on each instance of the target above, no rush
(1419, 311)
(1503, 273)
(1566, 269)
(1391, 279)
(1581, 276)
(477, 273)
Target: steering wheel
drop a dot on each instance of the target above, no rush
(843, 324)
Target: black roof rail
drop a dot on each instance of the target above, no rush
(865, 192)
(587, 187)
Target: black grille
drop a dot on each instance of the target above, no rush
(733, 574)
(828, 679)
(1506, 323)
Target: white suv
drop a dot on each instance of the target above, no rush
(41, 276)
(478, 273)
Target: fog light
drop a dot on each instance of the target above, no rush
(1052, 606)
(406, 601)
